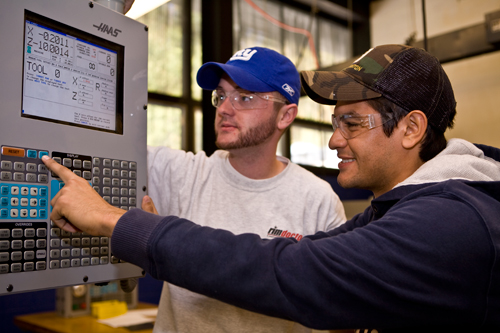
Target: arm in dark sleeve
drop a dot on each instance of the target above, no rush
(395, 271)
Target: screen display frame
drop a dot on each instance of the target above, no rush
(87, 38)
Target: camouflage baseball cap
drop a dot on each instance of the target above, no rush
(407, 76)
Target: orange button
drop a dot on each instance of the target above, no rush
(19, 152)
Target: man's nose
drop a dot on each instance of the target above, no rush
(226, 107)
(337, 140)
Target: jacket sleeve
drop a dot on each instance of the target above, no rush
(397, 270)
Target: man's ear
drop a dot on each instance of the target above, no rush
(287, 115)
(415, 126)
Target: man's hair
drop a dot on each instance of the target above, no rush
(278, 105)
(434, 141)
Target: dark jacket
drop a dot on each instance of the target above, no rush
(424, 256)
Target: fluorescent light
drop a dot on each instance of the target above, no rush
(141, 7)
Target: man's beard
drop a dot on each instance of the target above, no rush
(253, 137)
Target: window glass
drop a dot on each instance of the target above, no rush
(334, 43)
(298, 46)
(251, 28)
(198, 130)
(196, 52)
(165, 48)
(165, 126)
(310, 146)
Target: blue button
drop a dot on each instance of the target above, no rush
(43, 191)
(5, 190)
(43, 213)
(31, 153)
(4, 213)
(4, 201)
(42, 153)
(43, 203)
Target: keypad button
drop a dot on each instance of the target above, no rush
(31, 153)
(65, 263)
(29, 244)
(77, 163)
(17, 233)
(14, 213)
(42, 168)
(54, 254)
(6, 175)
(41, 254)
(65, 253)
(31, 177)
(14, 190)
(31, 167)
(16, 244)
(29, 255)
(6, 165)
(16, 256)
(28, 266)
(16, 268)
(40, 265)
(41, 232)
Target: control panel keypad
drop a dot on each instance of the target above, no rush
(23, 247)
(29, 241)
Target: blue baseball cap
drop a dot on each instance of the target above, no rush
(255, 69)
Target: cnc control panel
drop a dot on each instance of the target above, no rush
(74, 87)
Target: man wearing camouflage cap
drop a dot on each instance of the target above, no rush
(424, 257)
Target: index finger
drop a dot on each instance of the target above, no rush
(60, 170)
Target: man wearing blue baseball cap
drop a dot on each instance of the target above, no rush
(244, 187)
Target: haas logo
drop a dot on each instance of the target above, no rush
(107, 29)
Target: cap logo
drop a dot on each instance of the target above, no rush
(244, 55)
(356, 67)
(286, 87)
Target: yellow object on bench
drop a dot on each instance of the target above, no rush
(108, 309)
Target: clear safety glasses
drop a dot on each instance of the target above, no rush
(244, 100)
(351, 126)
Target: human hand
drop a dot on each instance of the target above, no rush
(78, 207)
(148, 205)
